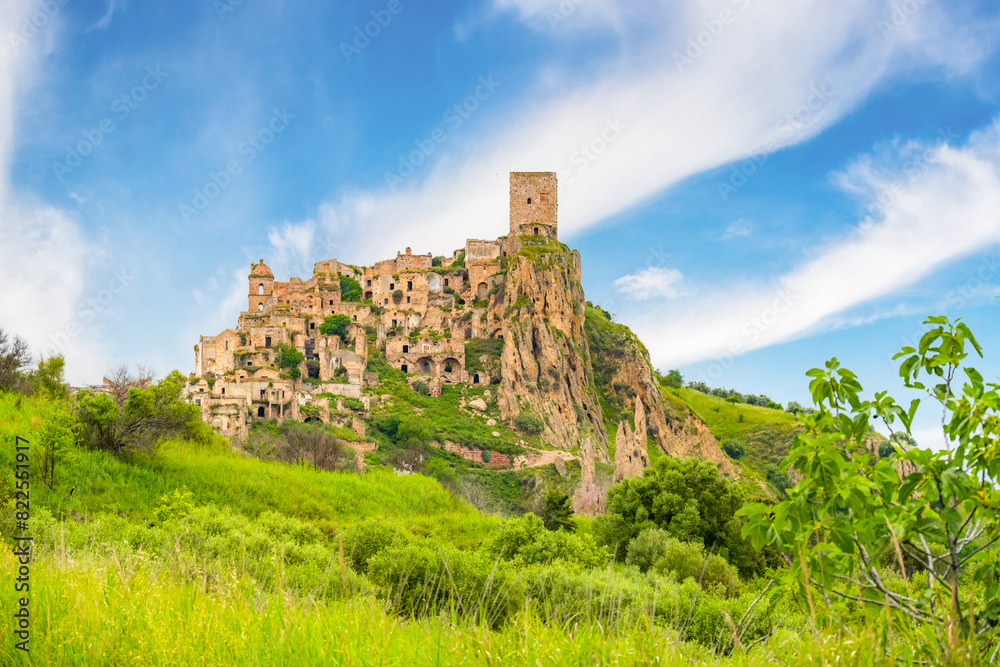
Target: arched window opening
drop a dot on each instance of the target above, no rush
(529, 200)
(260, 411)
(260, 306)
(260, 289)
(475, 379)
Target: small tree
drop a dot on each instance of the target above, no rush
(140, 422)
(734, 449)
(55, 437)
(557, 510)
(335, 325)
(49, 377)
(850, 507)
(350, 289)
(286, 356)
(14, 356)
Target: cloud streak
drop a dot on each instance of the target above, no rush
(946, 210)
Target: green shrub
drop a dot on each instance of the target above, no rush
(421, 387)
(486, 456)
(526, 541)
(426, 579)
(734, 449)
(350, 289)
(369, 538)
(647, 548)
(335, 325)
(529, 423)
(685, 559)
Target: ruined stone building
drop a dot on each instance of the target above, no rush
(421, 310)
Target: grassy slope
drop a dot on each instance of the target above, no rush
(95, 604)
(246, 485)
(766, 434)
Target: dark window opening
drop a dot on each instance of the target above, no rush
(445, 282)
(312, 325)
(267, 341)
(406, 348)
(394, 323)
(447, 368)
(392, 286)
(403, 368)
(260, 412)
(536, 231)
(331, 302)
(475, 379)
(223, 391)
(529, 200)
(262, 392)
(409, 284)
(407, 299)
(369, 284)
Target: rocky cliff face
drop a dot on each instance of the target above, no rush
(624, 376)
(546, 365)
(631, 452)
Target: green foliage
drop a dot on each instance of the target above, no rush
(778, 478)
(370, 537)
(529, 423)
(421, 387)
(459, 261)
(526, 541)
(144, 419)
(475, 348)
(175, 505)
(557, 510)
(335, 325)
(673, 378)
(350, 289)
(436, 261)
(287, 356)
(686, 497)
(49, 377)
(485, 456)
(687, 560)
(648, 547)
(734, 449)
(440, 470)
(851, 507)
(55, 439)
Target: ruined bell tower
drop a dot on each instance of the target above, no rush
(261, 287)
(533, 204)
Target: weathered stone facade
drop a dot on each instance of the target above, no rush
(419, 309)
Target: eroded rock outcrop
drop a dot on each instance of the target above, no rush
(546, 361)
(631, 453)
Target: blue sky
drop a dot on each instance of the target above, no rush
(755, 187)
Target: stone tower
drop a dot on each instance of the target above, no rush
(533, 203)
(261, 286)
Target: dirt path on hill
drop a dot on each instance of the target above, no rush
(541, 457)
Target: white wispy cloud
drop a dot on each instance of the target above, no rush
(644, 120)
(926, 213)
(737, 229)
(44, 257)
(652, 283)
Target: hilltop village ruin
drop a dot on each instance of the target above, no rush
(421, 310)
